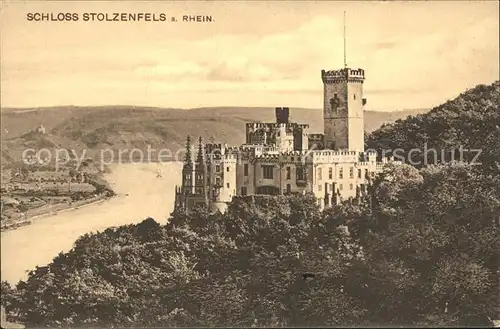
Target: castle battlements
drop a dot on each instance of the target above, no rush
(333, 152)
(269, 157)
(337, 76)
(273, 125)
(230, 157)
(365, 163)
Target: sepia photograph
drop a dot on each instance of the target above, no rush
(250, 164)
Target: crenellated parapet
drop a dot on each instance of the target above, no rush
(275, 158)
(273, 125)
(342, 75)
(334, 156)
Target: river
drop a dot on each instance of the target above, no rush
(141, 194)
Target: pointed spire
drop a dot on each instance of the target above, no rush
(188, 157)
(200, 157)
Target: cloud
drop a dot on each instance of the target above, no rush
(384, 45)
(413, 59)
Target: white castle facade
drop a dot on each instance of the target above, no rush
(283, 157)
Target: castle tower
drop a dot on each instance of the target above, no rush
(343, 108)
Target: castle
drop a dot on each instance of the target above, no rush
(283, 157)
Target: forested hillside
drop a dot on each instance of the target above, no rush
(126, 127)
(471, 122)
(423, 250)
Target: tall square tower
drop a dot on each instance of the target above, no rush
(343, 109)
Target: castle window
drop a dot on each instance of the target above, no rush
(245, 169)
(319, 187)
(217, 180)
(351, 172)
(341, 187)
(288, 188)
(217, 168)
(334, 103)
(227, 185)
(227, 169)
(341, 173)
(359, 173)
(300, 175)
(319, 174)
(354, 96)
(243, 190)
(268, 172)
(330, 173)
(351, 186)
(288, 173)
(366, 173)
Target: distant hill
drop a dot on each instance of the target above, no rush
(470, 121)
(127, 127)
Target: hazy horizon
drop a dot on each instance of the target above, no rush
(31, 108)
(416, 55)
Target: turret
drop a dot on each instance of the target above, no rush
(200, 170)
(187, 169)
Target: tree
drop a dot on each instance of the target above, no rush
(427, 238)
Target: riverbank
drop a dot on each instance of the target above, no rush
(140, 194)
(50, 210)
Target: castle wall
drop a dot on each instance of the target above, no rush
(327, 173)
(356, 117)
(228, 186)
(335, 115)
(244, 178)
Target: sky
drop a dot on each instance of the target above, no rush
(415, 54)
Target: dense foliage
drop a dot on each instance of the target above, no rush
(469, 122)
(423, 250)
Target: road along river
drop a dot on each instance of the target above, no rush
(141, 194)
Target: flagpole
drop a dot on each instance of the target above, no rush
(345, 51)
